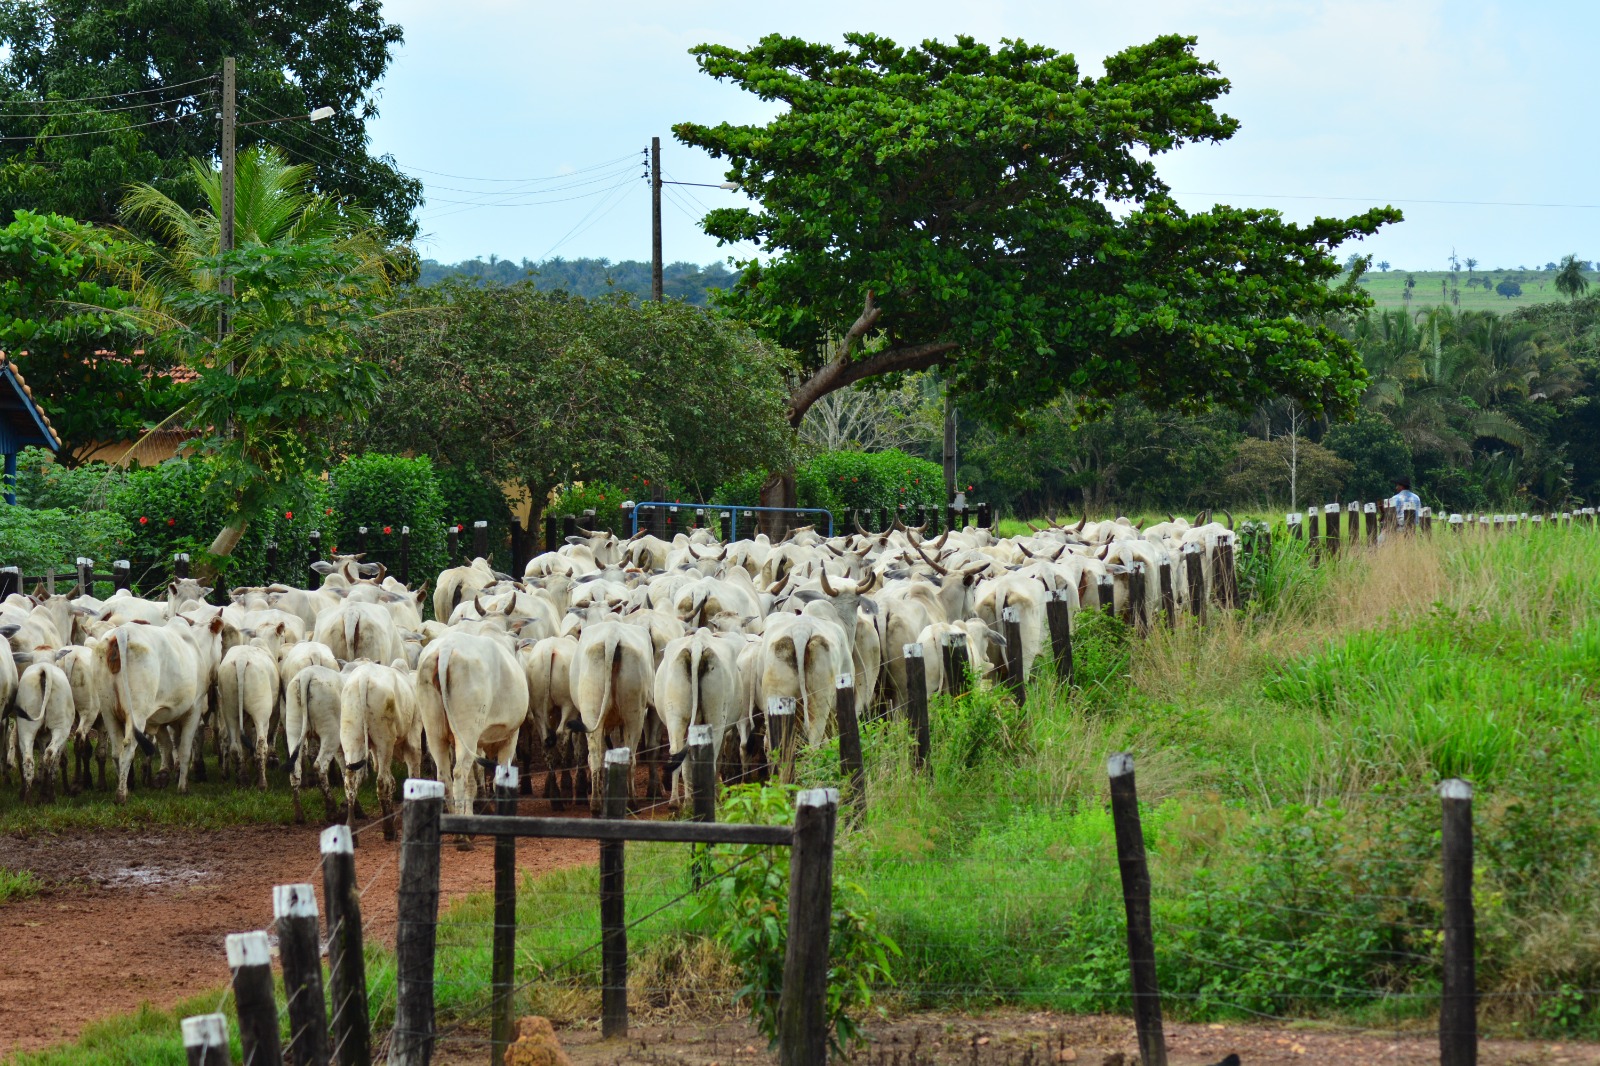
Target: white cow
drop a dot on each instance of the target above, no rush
(612, 678)
(473, 698)
(311, 708)
(156, 680)
(44, 702)
(698, 683)
(378, 723)
(247, 692)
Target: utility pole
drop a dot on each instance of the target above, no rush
(655, 219)
(225, 235)
(949, 447)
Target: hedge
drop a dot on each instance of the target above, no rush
(52, 539)
(387, 493)
(847, 480)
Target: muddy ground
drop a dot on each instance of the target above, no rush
(136, 917)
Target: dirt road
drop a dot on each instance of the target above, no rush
(140, 917)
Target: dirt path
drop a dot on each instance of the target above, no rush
(1016, 1038)
(140, 917)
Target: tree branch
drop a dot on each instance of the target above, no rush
(841, 372)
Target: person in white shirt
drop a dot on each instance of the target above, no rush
(1405, 500)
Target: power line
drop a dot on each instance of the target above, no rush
(552, 177)
(585, 223)
(109, 96)
(104, 110)
(96, 133)
(1392, 200)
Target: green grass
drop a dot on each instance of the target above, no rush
(18, 884)
(1388, 289)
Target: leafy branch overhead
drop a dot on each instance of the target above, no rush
(998, 214)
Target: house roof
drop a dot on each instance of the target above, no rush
(23, 422)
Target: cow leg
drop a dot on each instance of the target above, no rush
(200, 754)
(102, 745)
(324, 758)
(124, 769)
(191, 725)
(294, 783)
(352, 785)
(80, 765)
(385, 794)
(263, 746)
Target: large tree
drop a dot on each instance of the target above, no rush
(307, 276)
(997, 213)
(537, 389)
(135, 89)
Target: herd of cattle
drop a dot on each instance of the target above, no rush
(606, 642)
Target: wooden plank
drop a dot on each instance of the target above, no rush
(605, 829)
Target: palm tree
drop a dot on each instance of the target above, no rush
(275, 358)
(1470, 264)
(1570, 281)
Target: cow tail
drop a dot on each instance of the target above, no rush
(238, 695)
(442, 665)
(695, 650)
(302, 685)
(611, 668)
(44, 702)
(802, 706)
(124, 693)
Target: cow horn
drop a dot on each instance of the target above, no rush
(855, 517)
(1199, 519)
(1082, 522)
(864, 586)
(1033, 527)
(1023, 548)
(1139, 524)
(939, 544)
(1171, 517)
(929, 561)
(1230, 518)
(1059, 553)
(1105, 551)
(897, 524)
(827, 589)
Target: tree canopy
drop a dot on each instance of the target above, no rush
(133, 90)
(540, 389)
(997, 213)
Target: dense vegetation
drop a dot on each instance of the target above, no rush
(688, 282)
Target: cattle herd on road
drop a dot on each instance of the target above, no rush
(604, 643)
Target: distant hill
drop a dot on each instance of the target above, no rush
(1538, 287)
(588, 277)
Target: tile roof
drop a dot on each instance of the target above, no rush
(8, 369)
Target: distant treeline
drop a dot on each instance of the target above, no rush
(587, 277)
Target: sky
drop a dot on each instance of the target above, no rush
(526, 120)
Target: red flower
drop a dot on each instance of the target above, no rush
(328, 511)
(289, 515)
(143, 520)
(172, 521)
(385, 529)
(460, 526)
(647, 481)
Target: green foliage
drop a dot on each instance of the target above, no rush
(52, 540)
(547, 390)
(83, 363)
(305, 276)
(747, 907)
(386, 493)
(145, 54)
(1101, 653)
(589, 278)
(1261, 471)
(957, 199)
(602, 497)
(846, 481)
(1569, 280)
(44, 482)
(171, 508)
(1375, 454)
(1508, 289)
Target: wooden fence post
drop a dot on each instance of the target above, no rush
(480, 539)
(1354, 530)
(700, 770)
(1313, 521)
(205, 1040)
(850, 761)
(802, 1005)
(1169, 599)
(85, 575)
(1058, 615)
(294, 908)
(251, 962)
(10, 581)
(405, 555)
(1370, 513)
(1458, 1008)
(361, 540)
(1195, 571)
(180, 565)
(1295, 525)
(625, 520)
(121, 578)
(452, 543)
(1227, 575)
(272, 561)
(1106, 593)
(1136, 592)
(780, 735)
(347, 966)
(1332, 519)
(504, 959)
(917, 703)
(613, 905)
(1135, 871)
(954, 652)
(1011, 629)
(417, 918)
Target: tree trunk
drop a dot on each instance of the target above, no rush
(778, 491)
(228, 538)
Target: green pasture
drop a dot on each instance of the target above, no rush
(1388, 288)
(1287, 757)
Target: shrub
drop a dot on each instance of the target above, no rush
(388, 492)
(602, 497)
(843, 481)
(51, 539)
(168, 509)
(470, 497)
(43, 482)
(1377, 453)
